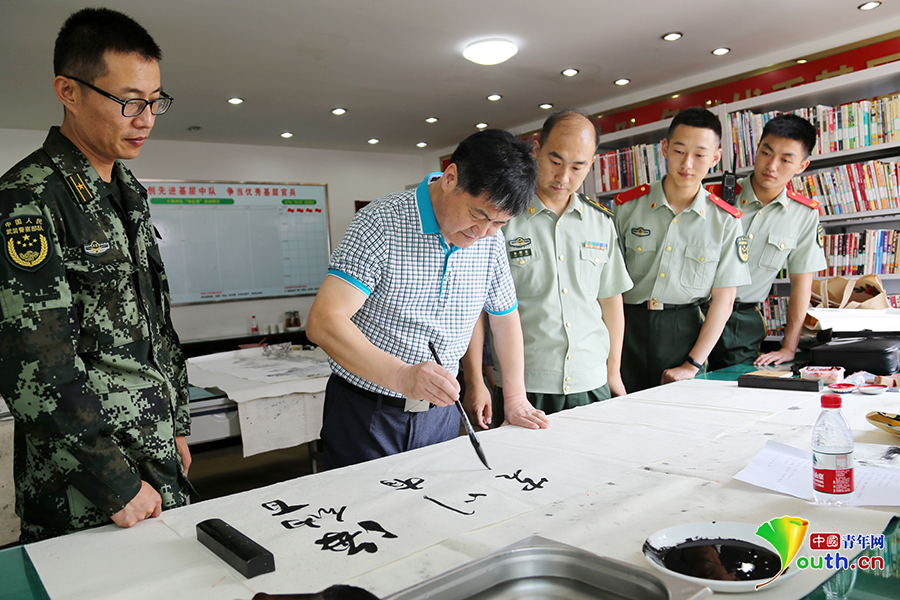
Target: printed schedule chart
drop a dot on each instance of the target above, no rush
(229, 241)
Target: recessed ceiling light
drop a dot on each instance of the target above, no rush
(287, 134)
(235, 100)
(633, 120)
(801, 61)
(494, 97)
(431, 120)
(545, 106)
(672, 36)
(490, 52)
(481, 125)
(721, 51)
(338, 111)
(623, 81)
(869, 5)
(570, 72)
(421, 145)
(675, 95)
(374, 141)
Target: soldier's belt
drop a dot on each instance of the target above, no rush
(656, 305)
(746, 305)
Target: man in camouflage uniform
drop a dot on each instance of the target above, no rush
(92, 369)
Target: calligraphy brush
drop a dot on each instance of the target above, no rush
(335, 592)
(465, 418)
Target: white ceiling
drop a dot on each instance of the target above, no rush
(392, 63)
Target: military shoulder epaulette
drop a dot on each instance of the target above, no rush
(716, 188)
(802, 199)
(79, 188)
(636, 192)
(725, 206)
(601, 207)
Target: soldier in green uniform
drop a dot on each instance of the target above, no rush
(92, 369)
(782, 227)
(569, 276)
(682, 246)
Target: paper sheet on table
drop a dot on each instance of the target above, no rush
(788, 470)
(169, 564)
(252, 364)
(852, 319)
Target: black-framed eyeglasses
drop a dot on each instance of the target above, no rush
(134, 106)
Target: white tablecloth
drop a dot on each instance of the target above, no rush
(603, 478)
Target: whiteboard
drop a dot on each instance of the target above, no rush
(240, 241)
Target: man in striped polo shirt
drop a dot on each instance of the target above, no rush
(416, 267)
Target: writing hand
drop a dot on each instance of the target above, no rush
(429, 381)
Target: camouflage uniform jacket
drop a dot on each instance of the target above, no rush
(91, 366)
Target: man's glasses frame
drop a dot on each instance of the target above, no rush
(133, 106)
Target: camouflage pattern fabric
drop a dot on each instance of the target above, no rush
(91, 366)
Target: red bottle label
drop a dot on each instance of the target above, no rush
(833, 473)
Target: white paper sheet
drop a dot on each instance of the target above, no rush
(854, 319)
(273, 415)
(614, 520)
(788, 470)
(253, 365)
(103, 565)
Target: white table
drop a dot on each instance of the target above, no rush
(274, 414)
(615, 471)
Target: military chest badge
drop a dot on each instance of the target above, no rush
(520, 242)
(640, 232)
(743, 248)
(26, 241)
(820, 235)
(95, 248)
(594, 245)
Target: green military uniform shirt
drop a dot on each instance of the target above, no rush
(91, 366)
(785, 230)
(561, 266)
(679, 259)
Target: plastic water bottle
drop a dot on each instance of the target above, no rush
(254, 326)
(832, 446)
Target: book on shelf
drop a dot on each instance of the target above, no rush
(628, 167)
(862, 252)
(775, 313)
(858, 124)
(852, 188)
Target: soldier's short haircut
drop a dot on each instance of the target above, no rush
(496, 162)
(792, 127)
(564, 115)
(89, 33)
(696, 116)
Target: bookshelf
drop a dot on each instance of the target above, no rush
(879, 81)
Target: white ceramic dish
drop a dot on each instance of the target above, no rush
(655, 545)
(841, 388)
(872, 389)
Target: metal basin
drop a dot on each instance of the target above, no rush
(538, 568)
